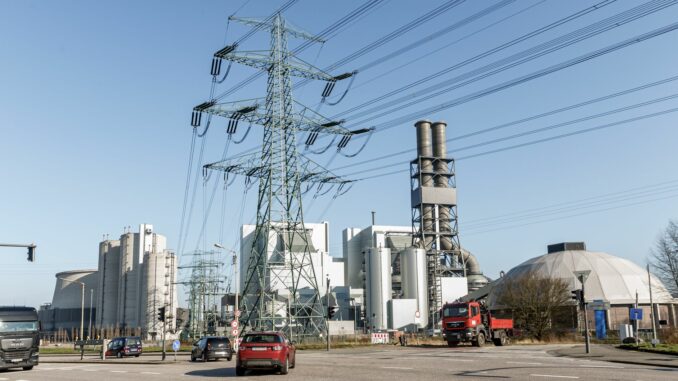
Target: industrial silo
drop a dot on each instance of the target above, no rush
(414, 280)
(109, 278)
(378, 286)
(158, 289)
(128, 290)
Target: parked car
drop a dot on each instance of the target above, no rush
(124, 346)
(265, 350)
(212, 348)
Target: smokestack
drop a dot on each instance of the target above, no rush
(425, 149)
(441, 181)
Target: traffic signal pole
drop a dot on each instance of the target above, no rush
(31, 249)
(327, 324)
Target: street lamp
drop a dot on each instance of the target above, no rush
(235, 275)
(82, 304)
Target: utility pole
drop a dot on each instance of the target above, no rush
(652, 317)
(635, 321)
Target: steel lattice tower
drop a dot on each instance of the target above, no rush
(280, 285)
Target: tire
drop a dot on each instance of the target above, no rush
(28, 367)
(192, 358)
(118, 355)
(229, 358)
(501, 340)
(452, 343)
(480, 341)
(239, 371)
(285, 368)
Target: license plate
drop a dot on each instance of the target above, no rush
(259, 348)
(16, 360)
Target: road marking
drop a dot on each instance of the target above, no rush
(396, 367)
(524, 363)
(552, 375)
(118, 371)
(150, 373)
(3, 379)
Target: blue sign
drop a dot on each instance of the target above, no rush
(601, 330)
(176, 344)
(636, 314)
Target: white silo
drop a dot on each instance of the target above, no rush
(128, 290)
(158, 288)
(414, 280)
(378, 286)
(109, 277)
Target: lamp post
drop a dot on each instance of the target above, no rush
(236, 310)
(82, 304)
(91, 297)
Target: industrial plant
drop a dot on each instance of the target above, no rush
(136, 276)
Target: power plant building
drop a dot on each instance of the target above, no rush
(136, 276)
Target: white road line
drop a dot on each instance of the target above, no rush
(150, 373)
(118, 371)
(3, 379)
(396, 367)
(524, 363)
(552, 375)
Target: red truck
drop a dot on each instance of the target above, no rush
(470, 321)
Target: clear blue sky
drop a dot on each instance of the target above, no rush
(95, 103)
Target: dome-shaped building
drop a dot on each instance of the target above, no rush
(611, 279)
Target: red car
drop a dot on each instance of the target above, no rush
(265, 350)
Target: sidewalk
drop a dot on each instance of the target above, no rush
(90, 358)
(612, 354)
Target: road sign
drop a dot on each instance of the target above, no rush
(636, 314)
(582, 275)
(234, 332)
(237, 313)
(600, 305)
(234, 324)
(176, 344)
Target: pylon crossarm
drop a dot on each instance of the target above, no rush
(268, 25)
(262, 60)
(250, 165)
(253, 113)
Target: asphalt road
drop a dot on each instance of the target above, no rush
(387, 363)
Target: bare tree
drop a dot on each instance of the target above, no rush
(534, 300)
(664, 257)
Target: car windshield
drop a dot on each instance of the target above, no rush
(455, 312)
(18, 326)
(263, 339)
(220, 343)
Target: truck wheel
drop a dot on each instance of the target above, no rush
(28, 367)
(452, 343)
(480, 341)
(504, 339)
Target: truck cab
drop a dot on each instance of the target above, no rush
(19, 337)
(472, 322)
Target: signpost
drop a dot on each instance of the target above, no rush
(176, 344)
(636, 314)
(582, 275)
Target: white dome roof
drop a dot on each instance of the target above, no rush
(612, 279)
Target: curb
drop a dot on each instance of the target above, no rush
(558, 354)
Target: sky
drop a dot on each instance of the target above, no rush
(96, 97)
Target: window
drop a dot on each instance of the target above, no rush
(18, 326)
(265, 339)
(474, 311)
(456, 311)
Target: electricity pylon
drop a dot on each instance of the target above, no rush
(280, 287)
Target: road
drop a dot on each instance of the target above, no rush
(388, 363)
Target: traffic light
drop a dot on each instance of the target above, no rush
(161, 313)
(31, 253)
(331, 311)
(578, 296)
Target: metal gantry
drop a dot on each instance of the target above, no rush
(280, 286)
(204, 292)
